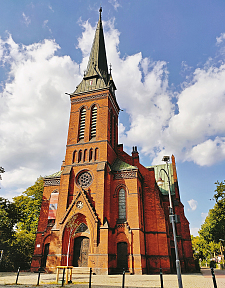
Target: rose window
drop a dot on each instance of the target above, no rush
(84, 179)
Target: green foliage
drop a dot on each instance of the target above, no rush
(207, 244)
(213, 228)
(29, 203)
(18, 224)
(2, 170)
(204, 249)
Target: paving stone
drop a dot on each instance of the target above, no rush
(198, 280)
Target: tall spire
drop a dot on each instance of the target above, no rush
(96, 76)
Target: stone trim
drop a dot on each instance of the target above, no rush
(125, 175)
(52, 181)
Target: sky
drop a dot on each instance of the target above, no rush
(168, 64)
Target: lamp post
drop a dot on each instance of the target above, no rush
(172, 217)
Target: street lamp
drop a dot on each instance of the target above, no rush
(172, 218)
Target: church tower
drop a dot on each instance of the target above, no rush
(104, 209)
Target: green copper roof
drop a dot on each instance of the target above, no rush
(56, 174)
(164, 189)
(96, 76)
(119, 165)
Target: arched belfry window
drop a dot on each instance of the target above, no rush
(111, 119)
(93, 122)
(122, 204)
(74, 156)
(114, 131)
(82, 123)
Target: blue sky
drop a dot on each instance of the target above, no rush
(168, 65)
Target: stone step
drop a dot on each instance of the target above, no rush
(81, 270)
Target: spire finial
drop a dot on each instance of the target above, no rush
(100, 11)
(110, 68)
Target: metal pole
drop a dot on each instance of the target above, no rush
(18, 272)
(161, 277)
(213, 277)
(123, 282)
(174, 233)
(39, 274)
(63, 277)
(90, 278)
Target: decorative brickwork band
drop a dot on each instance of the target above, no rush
(88, 98)
(97, 96)
(52, 182)
(125, 175)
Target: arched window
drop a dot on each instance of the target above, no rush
(93, 122)
(96, 154)
(82, 123)
(79, 156)
(74, 156)
(122, 204)
(90, 154)
(85, 155)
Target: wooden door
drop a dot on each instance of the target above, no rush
(46, 251)
(80, 252)
(122, 262)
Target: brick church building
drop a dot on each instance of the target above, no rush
(104, 209)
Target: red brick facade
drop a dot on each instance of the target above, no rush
(110, 213)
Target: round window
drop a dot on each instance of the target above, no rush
(84, 179)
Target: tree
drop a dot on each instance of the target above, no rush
(207, 244)
(18, 221)
(29, 203)
(2, 170)
(213, 228)
(9, 216)
(204, 249)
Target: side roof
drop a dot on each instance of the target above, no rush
(165, 188)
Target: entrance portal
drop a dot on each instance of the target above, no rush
(122, 255)
(80, 252)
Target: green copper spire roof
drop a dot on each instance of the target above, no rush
(96, 76)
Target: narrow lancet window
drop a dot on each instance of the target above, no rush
(74, 156)
(122, 205)
(93, 122)
(111, 117)
(114, 132)
(82, 123)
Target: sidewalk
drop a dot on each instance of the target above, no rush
(198, 280)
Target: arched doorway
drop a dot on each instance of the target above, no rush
(80, 252)
(122, 262)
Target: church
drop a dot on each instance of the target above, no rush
(104, 209)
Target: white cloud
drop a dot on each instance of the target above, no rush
(26, 19)
(45, 25)
(50, 7)
(220, 39)
(194, 231)
(35, 111)
(115, 4)
(204, 215)
(193, 204)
